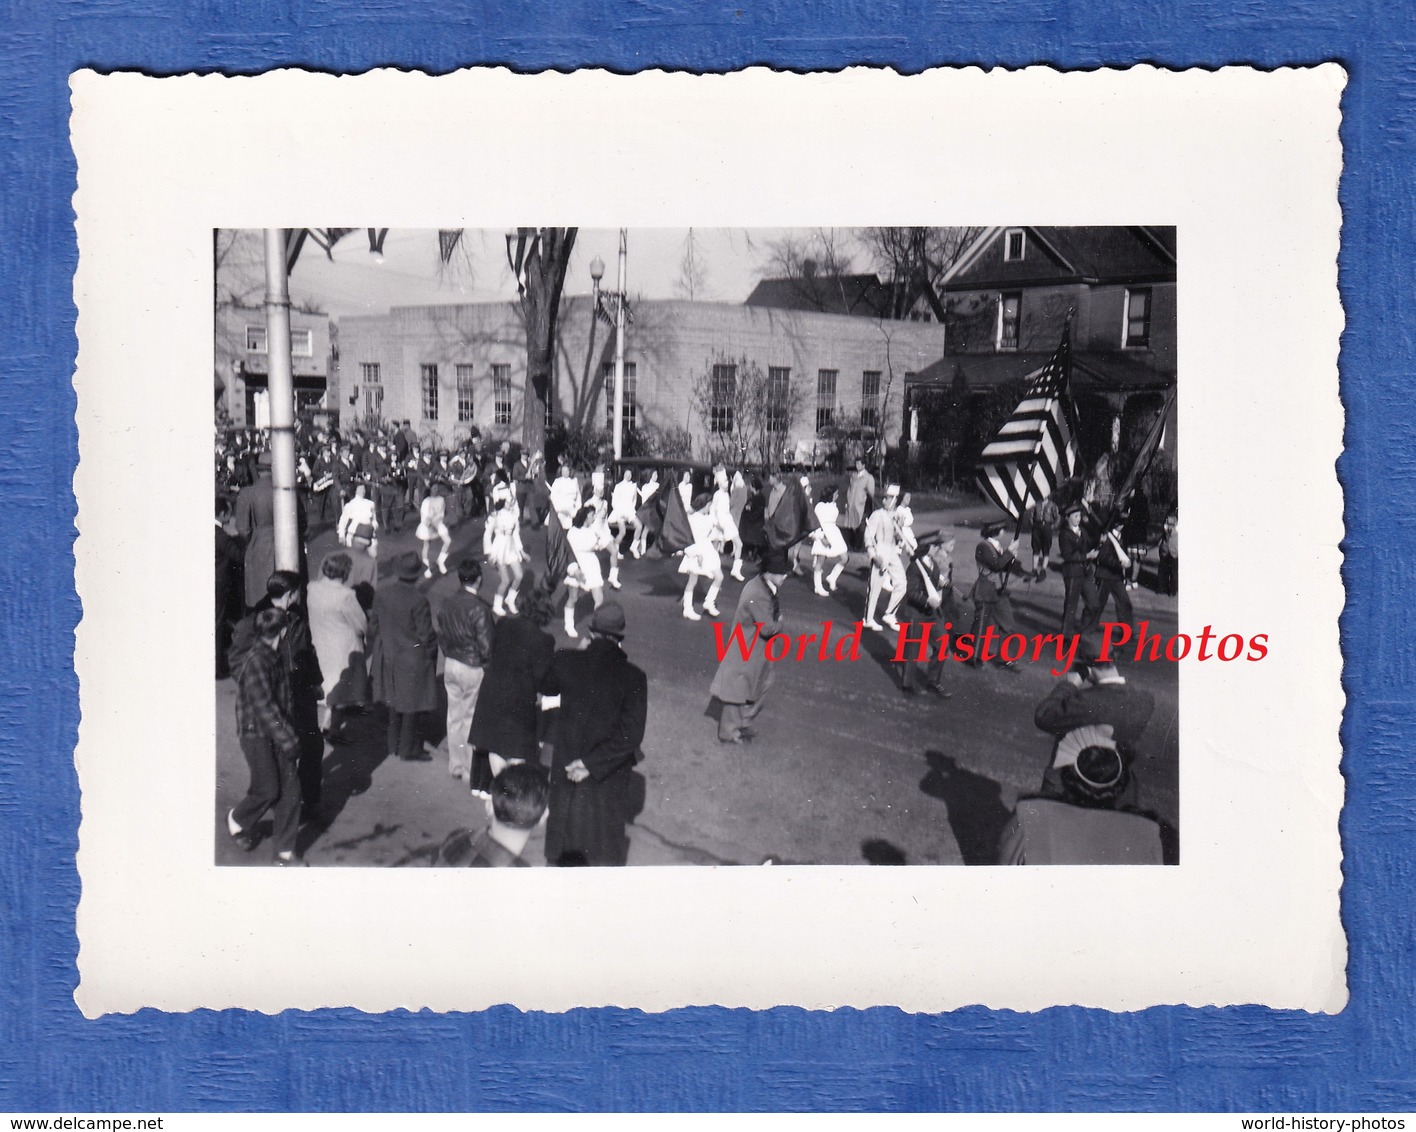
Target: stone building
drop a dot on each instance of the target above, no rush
(447, 368)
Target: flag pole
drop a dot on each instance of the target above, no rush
(619, 351)
(1028, 481)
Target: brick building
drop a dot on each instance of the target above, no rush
(446, 368)
(1006, 301)
(242, 372)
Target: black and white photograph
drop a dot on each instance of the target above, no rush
(748, 534)
(698, 546)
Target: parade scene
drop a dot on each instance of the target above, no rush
(557, 546)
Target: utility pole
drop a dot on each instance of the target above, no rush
(619, 348)
(282, 401)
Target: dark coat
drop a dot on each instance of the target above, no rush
(740, 681)
(994, 566)
(255, 523)
(604, 704)
(507, 714)
(228, 575)
(1074, 547)
(1127, 709)
(404, 652)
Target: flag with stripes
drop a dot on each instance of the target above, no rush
(1036, 449)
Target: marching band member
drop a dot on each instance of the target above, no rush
(501, 544)
(624, 505)
(887, 572)
(587, 575)
(725, 528)
(358, 518)
(701, 559)
(432, 524)
(600, 525)
(828, 544)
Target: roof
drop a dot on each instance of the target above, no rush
(1092, 371)
(1083, 254)
(861, 295)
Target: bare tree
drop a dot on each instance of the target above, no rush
(692, 281)
(540, 260)
(747, 414)
(913, 261)
(817, 266)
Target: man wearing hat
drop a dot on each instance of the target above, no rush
(1078, 556)
(403, 657)
(255, 524)
(931, 594)
(1094, 694)
(604, 700)
(996, 563)
(883, 543)
(741, 683)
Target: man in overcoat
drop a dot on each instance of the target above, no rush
(604, 700)
(741, 683)
(404, 657)
(507, 718)
(255, 525)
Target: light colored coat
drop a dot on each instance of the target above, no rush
(338, 627)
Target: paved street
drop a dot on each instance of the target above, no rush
(845, 769)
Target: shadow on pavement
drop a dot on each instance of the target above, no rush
(878, 851)
(348, 772)
(977, 814)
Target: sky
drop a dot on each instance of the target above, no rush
(732, 260)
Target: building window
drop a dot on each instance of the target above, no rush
(779, 392)
(302, 342)
(1138, 317)
(373, 399)
(464, 393)
(1015, 244)
(870, 399)
(1010, 317)
(631, 389)
(723, 392)
(430, 392)
(369, 373)
(825, 399)
(501, 394)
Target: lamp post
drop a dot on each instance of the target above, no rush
(597, 272)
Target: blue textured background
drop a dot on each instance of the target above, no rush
(51, 1059)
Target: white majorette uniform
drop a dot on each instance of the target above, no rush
(724, 529)
(701, 556)
(647, 492)
(582, 545)
(827, 540)
(565, 499)
(600, 522)
(501, 541)
(432, 519)
(624, 502)
(358, 517)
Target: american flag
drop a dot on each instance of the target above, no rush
(1036, 449)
